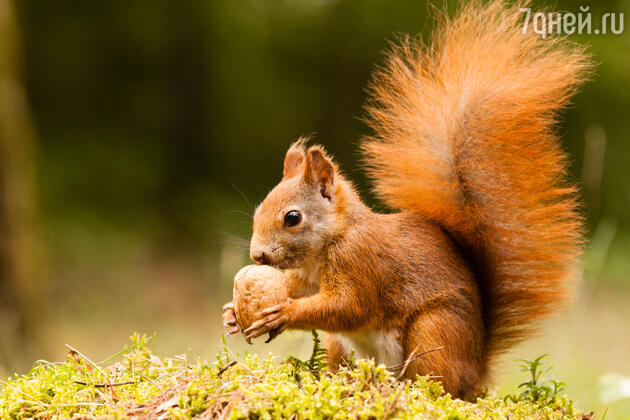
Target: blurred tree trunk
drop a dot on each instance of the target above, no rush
(20, 265)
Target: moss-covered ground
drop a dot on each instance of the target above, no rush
(137, 383)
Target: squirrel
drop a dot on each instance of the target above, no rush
(486, 233)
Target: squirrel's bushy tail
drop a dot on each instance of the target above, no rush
(464, 135)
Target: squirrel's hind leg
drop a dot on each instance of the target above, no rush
(457, 365)
(337, 351)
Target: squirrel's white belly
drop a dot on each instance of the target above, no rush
(383, 345)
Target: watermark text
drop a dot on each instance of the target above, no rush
(549, 23)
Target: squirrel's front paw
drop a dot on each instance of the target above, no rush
(229, 319)
(273, 320)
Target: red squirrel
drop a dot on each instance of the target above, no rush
(487, 234)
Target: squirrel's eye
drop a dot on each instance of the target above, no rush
(292, 218)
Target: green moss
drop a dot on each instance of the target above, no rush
(244, 387)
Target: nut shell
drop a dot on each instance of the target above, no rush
(257, 287)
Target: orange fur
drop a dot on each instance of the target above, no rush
(488, 234)
(464, 134)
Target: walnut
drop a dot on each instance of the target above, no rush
(257, 287)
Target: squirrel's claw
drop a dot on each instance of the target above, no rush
(272, 318)
(229, 319)
(276, 332)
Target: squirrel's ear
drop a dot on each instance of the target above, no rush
(320, 170)
(294, 160)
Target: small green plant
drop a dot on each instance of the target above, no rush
(351, 360)
(316, 363)
(534, 389)
(537, 389)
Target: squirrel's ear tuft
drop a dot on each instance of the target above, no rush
(294, 159)
(320, 170)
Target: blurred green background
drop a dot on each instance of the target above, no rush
(137, 136)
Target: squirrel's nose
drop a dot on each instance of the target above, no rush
(260, 257)
(257, 249)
